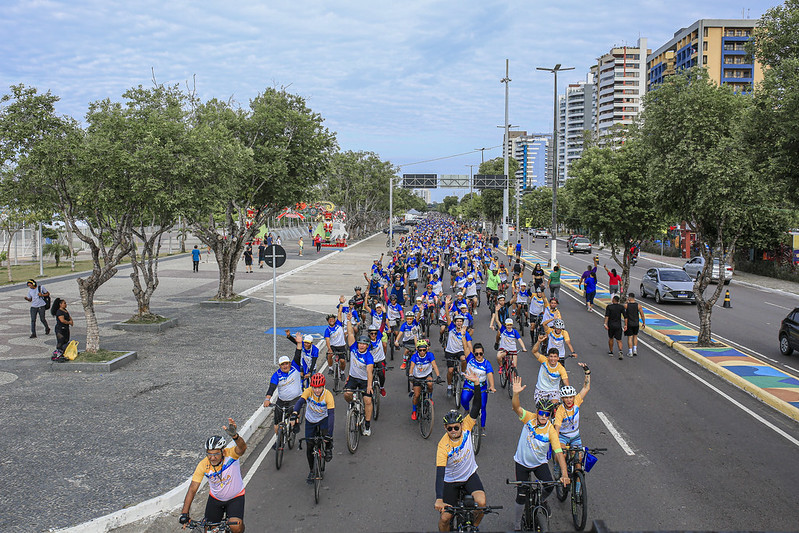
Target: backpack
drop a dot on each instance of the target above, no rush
(71, 351)
(47, 301)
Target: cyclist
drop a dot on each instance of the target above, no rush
(458, 344)
(336, 343)
(503, 277)
(507, 339)
(413, 276)
(361, 374)
(309, 353)
(374, 285)
(550, 374)
(394, 313)
(558, 338)
(550, 314)
(567, 416)
(354, 316)
(459, 282)
(438, 288)
(398, 290)
(492, 284)
(502, 312)
(409, 331)
(478, 282)
(522, 299)
(478, 365)
(222, 469)
(418, 308)
(377, 315)
(320, 416)
(470, 293)
(377, 345)
(538, 304)
(287, 380)
(456, 467)
(537, 436)
(423, 364)
(358, 299)
(538, 276)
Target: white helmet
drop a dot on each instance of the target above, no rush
(558, 324)
(215, 443)
(459, 317)
(568, 390)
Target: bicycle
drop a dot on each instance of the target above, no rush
(285, 434)
(426, 407)
(507, 371)
(376, 387)
(536, 515)
(457, 383)
(521, 318)
(464, 513)
(204, 525)
(319, 449)
(356, 419)
(579, 492)
(491, 299)
(337, 372)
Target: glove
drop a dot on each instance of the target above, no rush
(496, 346)
(184, 518)
(293, 417)
(586, 369)
(439, 380)
(231, 429)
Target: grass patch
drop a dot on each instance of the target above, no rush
(102, 356)
(236, 298)
(146, 319)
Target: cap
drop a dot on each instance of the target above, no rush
(509, 321)
(460, 293)
(283, 359)
(307, 338)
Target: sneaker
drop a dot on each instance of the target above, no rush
(309, 480)
(383, 392)
(629, 354)
(47, 331)
(449, 392)
(610, 353)
(635, 352)
(330, 370)
(367, 432)
(33, 336)
(621, 355)
(61, 359)
(414, 415)
(402, 366)
(53, 357)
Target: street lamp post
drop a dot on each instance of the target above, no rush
(557, 68)
(471, 172)
(505, 80)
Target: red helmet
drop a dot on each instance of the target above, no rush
(318, 380)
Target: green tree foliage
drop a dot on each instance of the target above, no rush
(699, 171)
(449, 205)
(492, 198)
(536, 207)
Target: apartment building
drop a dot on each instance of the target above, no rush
(575, 117)
(532, 151)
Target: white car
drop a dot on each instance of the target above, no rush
(541, 233)
(694, 268)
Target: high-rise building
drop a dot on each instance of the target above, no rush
(722, 53)
(424, 194)
(575, 117)
(620, 79)
(531, 151)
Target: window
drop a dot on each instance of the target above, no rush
(704, 59)
(705, 32)
(704, 46)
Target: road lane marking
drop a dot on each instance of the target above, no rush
(615, 432)
(780, 306)
(722, 394)
(792, 368)
(254, 468)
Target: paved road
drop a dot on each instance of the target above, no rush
(700, 454)
(751, 324)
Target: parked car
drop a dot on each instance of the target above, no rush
(789, 333)
(542, 233)
(570, 239)
(580, 244)
(398, 229)
(668, 284)
(694, 267)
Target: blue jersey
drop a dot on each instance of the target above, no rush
(479, 368)
(308, 356)
(423, 366)
(289, 384)
(336, 334)
(359, 361)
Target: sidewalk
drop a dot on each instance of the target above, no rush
(91, 444)
(767, 383)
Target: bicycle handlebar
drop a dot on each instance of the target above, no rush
(532, 483)
(454, 509)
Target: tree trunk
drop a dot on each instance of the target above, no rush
(87, 289)
(227, 259)
(71, 249)
(145, 268)
(8, 255)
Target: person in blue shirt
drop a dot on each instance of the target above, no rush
(287, 380)
(335, 340)
(518, 248)
(309, 354)
(589, 282)
(478, 365)
(195, 259)
(423, 364)
(398, 290)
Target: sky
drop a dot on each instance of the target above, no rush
(411, 81)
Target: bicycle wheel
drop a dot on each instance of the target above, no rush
(457, 385)
(292, 437)
(503, 376)
(527, 519)
(353, 431)
(335, 376)
(280, 443)
(375, 399)
(511, 374)
(541, 520)
(477, 437)
(579, 500)
(426, 418)
(391, 342)
(317, 474)
(520, 320)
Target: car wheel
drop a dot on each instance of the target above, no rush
(642, 291)
(657, 297)
(727, 281)
(785, 346)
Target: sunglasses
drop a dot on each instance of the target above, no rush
(478, 353)
(544, 413)
(453, 428)
(213, 454)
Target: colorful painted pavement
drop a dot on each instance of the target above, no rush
(768, 383)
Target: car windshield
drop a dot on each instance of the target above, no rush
(581, 240)
(674, 275)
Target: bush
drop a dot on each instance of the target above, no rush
(654, 248)
(771, 269)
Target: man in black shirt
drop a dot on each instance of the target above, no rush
(615, 323)
(632, 312)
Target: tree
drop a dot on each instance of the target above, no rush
(699, 171)
(449, 205)
(253, 163)
(12, 220)
(492, 198)
(612, 189)
(56, 249)
(536, 207)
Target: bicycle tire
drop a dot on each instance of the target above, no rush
(391, 341)
(503, 376)
(426, 418)
(579, 500)
(561, 492)
(292, 437)
(335, 376)
(477, 437)
(520, 320)
(540, 520)
(457, 385)
(317, 472)
(353, 431)
(281, 435)
(527, 518)
(512, 373)
(375, 399)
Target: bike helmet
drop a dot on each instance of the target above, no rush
(318, 380)
(422, 343)
(418, 298)
(217, 442)
(509, 321)
(372, 327)
(540, 289)
(453, 417)
(459, 317)
(393, 296)
(358, 288)
(523, 284)
(544, 404)
(558, 324)
(363, 339)
(351, 302)
(568, 390)
(307, 338)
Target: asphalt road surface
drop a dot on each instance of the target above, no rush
(686, 450)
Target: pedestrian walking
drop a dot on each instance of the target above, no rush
(38, 296)
(633, 312)
(207, 253)
(248, 259)
(195, 259)
(269, 239)
(300, 243)
(615, 323)
(590, 290)
(279, 240)
(261, 255)
(518, 249)
(615, 280)
(554, 282)
(318, 242)
(62, 323)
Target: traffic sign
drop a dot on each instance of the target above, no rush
(419, 181)
(279, 254)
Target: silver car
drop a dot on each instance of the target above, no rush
(668, 285)
(581, 244)
(695, 266)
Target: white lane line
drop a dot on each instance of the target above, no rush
(615, 432)
(257, 463)
(722, 394)
(780, 306)
(792, 368)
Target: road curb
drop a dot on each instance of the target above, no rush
(765, 397)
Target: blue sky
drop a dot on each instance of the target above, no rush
(411, 80)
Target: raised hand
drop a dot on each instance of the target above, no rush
(517, 385)
(231, 428)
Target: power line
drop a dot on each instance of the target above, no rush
(449, 156)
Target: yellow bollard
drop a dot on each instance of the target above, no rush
(727, 303)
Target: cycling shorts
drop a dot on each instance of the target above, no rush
(453, 358)
(215, 510)
(356, 384)
(471, 485)
(342, 351)
(279, 412)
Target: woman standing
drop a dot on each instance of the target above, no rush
(554, 282)
(62, 323)
(248, 259)
(538, 276)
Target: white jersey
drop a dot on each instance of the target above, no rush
(507, 339)
(376, 347)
